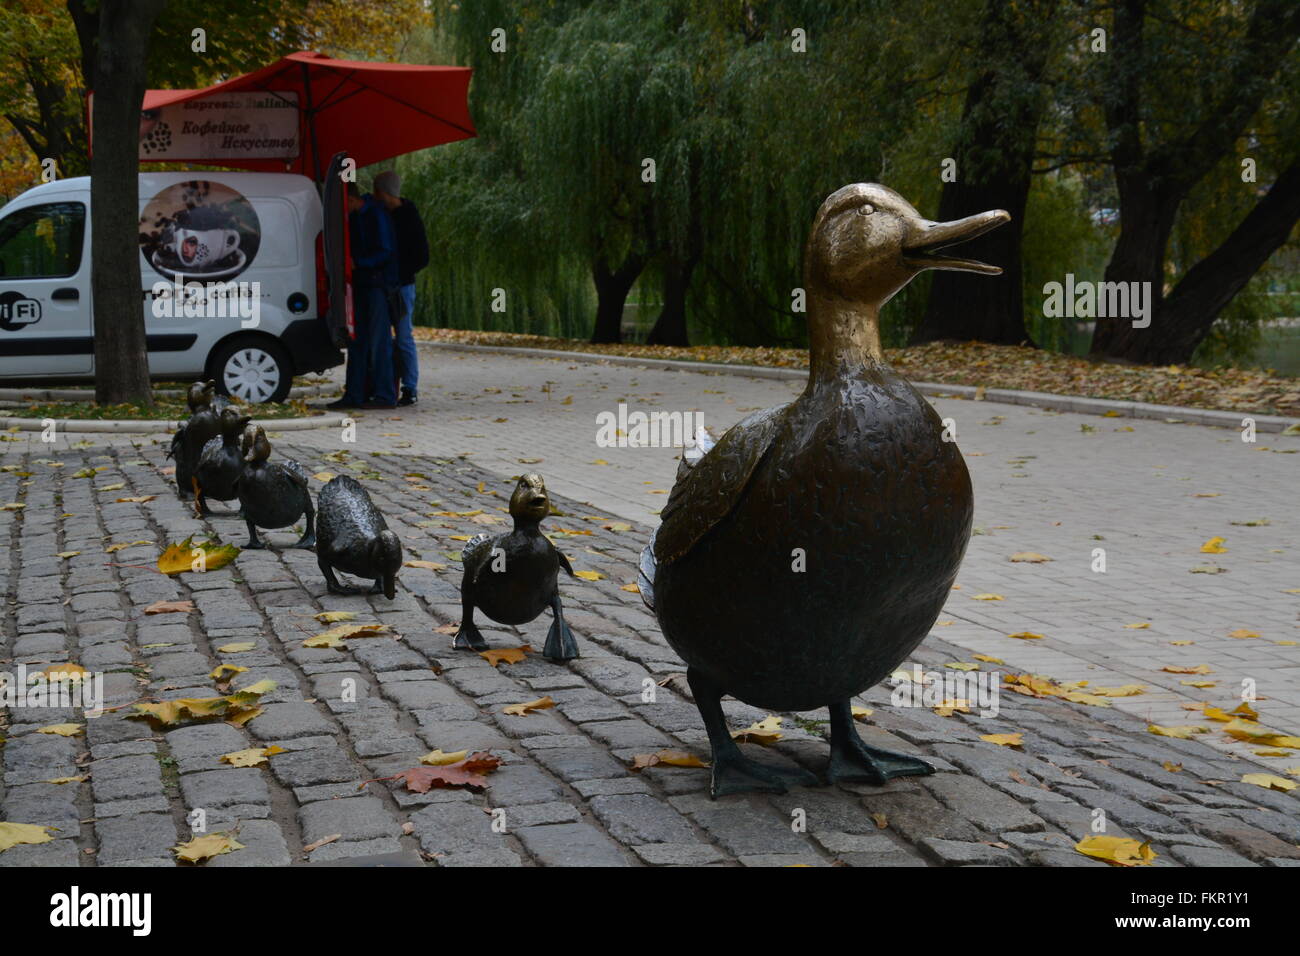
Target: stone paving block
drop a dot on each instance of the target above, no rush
(743, 830)
(538, 814)
(263, 846)
(304, 768)
(356, 818)
(637, 819)
(63, 853)
(981, 804)
(960, 853)
(285, 721)
(679, 854)
(212, 789)
(454, 828)
(1208, 856)
(918, 815)
(125, 777)
(580, 763)
(143, 836)
(520, 784)
(571, 844)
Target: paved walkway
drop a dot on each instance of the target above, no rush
(1060, 485)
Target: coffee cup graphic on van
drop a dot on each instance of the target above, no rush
(201, 230)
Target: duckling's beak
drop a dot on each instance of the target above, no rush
(925, 239)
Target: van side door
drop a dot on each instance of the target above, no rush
(45, 308)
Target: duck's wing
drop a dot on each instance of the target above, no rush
(564, 562)
(475, 555)
(178, 442)
(295, 472)
(645, 572)
(706, 491)
(211, 452)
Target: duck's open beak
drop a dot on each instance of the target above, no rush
(921, 249)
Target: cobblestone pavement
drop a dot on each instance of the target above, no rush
(568, 795)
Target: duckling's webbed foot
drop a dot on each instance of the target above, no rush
(733, 772)
(560, 643)
(308, 539)
(468, 637)
(852, 761)
(254, 542)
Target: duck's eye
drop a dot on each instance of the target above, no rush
(866, 209)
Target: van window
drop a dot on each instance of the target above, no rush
(42, 242)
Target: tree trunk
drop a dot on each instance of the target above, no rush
(994, 157)
(121, 356)
(1181, 321)
(612, 288)
(670, 326)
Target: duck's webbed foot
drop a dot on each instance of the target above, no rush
(254, 542)
(468, 636)
(733, 772)
(852, 761)
(560, 643)
(308, 539)
(306, 542)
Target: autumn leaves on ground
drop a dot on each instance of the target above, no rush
(976, 363)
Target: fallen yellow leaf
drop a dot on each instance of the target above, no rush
(1119, 851)
(1269, 781)
(437, 758)
(505, 655)
(12, 834)
(765, 731)
(1029, 557)
(521, 710)
(1026, 636)
(589, 575)
(1214, 546)
(333, 617)
(251, 757)
(63, 730)
(1181, 732)
(237, 648)
(205, 847)
(1004, 740)
(673, 758)
(987, 597)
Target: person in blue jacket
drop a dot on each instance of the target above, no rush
(370, 382)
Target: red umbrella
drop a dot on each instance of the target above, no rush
(371, 111)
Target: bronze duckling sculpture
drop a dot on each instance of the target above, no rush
(273, 494)
(807, 553)
(352, 536)
(221, 462)
(193, 433)
(513, 577)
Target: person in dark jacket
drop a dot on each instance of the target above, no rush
(370, 382)
(412, 256)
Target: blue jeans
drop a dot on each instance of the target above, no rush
(370, 356)
(404, 354)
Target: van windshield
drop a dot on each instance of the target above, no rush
(42, 242)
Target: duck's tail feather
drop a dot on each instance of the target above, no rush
(178, 440)
(645, 576)
(702, 442)
(472, 545)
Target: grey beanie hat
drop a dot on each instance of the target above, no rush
(389, 182)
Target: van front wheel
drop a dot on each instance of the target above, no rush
(253, 371)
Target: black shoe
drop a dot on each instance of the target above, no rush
(408, 398)
(341, 403)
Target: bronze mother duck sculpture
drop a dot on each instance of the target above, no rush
(807, 553)
(352, 536)
(273, 494)
(513, 577)
(221, 463)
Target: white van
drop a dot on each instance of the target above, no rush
(236, 286)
